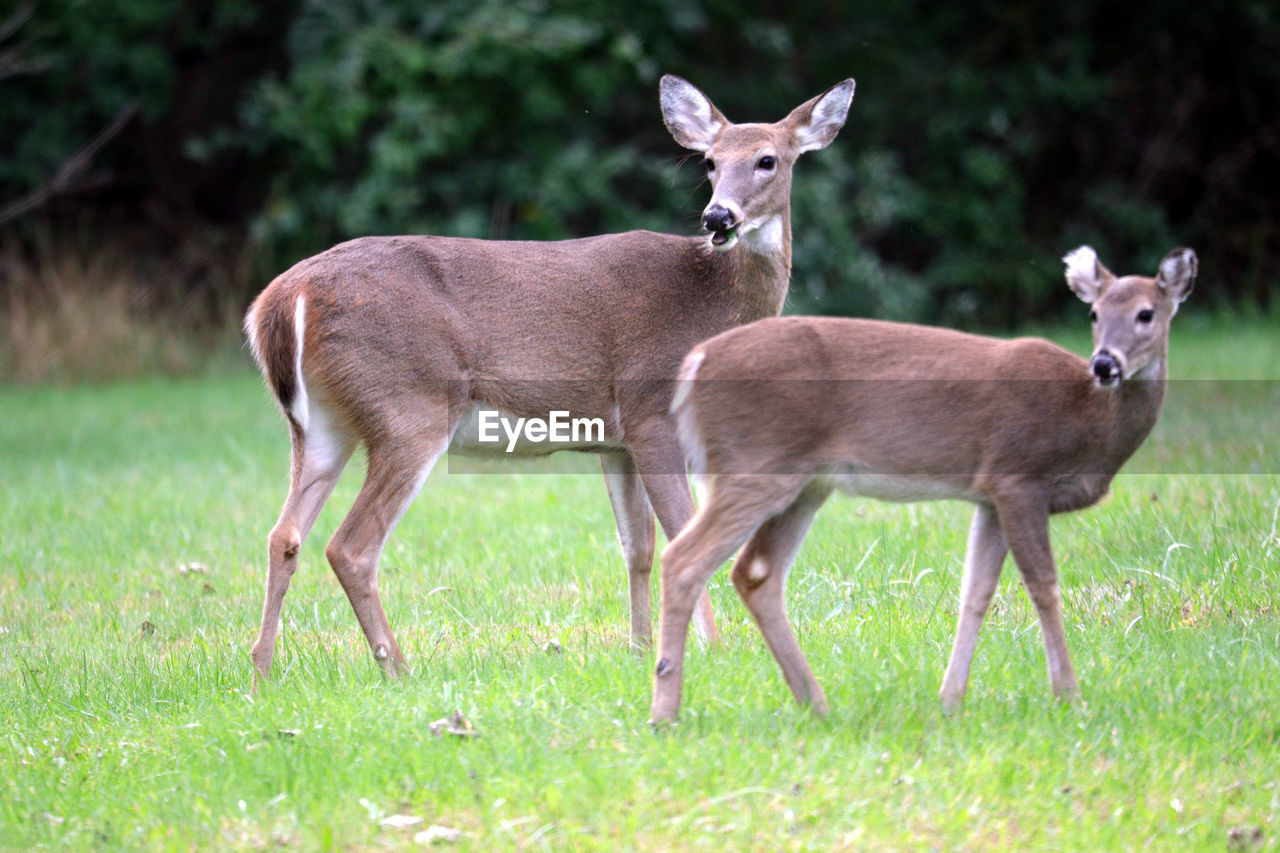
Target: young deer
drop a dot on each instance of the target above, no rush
(399, 342)
(778, 414)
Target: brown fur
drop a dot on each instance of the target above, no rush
(779, 413)
(404, 335)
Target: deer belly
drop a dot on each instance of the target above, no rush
(487, 431)
(899, 488)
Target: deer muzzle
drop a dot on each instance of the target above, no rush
(722, 223)
(1105, 369)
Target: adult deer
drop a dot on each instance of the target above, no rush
(399, 342)
(778, 414)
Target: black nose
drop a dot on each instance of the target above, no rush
(717, 218)
(1105, 368)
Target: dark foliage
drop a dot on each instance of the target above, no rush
(985, 140)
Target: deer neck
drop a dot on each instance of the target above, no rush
(1138, 403)
(758, 269)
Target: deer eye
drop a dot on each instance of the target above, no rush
(1146, 315)
(709, 164)
(767, 163)
(1093, 316)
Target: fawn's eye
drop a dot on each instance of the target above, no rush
(709, 164)
(767, 163)
(1146, 315)
(1093, 316)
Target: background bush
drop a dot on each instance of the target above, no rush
(985, 139)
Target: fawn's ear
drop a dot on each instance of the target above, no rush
(1178, 273)
(1085, 273)
(690, 116)
(816, 122)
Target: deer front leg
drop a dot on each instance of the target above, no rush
(634, 516)
(661, 464)
(982, 563)
(1026, 529)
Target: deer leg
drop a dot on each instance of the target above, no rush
(982, 562)
(727, 520)
(1027, 532)
(318, 457)
(759, 574)
(395, 475)
(634, 516)
(662, 469)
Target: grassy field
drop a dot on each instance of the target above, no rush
(128, 721)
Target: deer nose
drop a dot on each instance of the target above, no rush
(1105, 368)
(717, 218)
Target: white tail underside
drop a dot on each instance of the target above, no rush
(299, 408)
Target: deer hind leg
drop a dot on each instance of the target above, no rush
(318, 457)
(759, 574)
(734, 509)
(982, 563)
(1027, 532)
(396, 471)
(634, 516)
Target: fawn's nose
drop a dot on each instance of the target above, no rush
(1105, 368)
(718, 218)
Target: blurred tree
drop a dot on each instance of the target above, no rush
(488, 118)
(172, 69)
(1000, 135)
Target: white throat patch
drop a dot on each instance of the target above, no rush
(763, 239)
(1150, 371)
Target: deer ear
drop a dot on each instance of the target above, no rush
(1178, 273)
(690, 116)
(818, 120)
(1085, 274)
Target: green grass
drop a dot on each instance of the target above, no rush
(128, 722)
